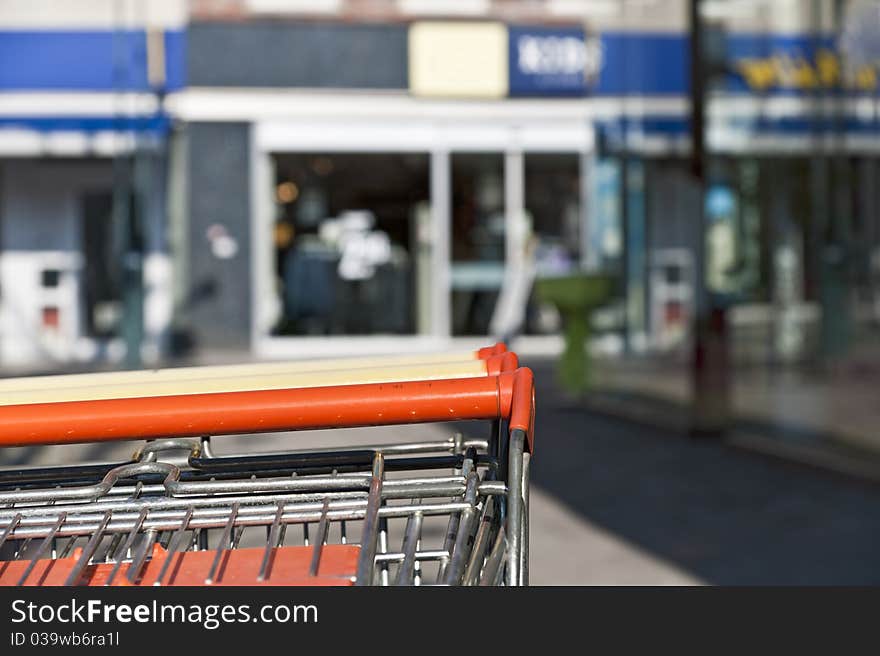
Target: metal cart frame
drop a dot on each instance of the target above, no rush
(143, 514)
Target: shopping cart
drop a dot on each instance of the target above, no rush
(450, 511)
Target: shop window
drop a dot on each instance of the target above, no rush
(478, 240)
(553, 211)
(553, 205)
(346, 243)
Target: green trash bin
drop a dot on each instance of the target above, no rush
(575, 297)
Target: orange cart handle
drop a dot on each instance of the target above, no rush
(501, 362)
(508, 395)
(487, 351)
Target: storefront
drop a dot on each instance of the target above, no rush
(84, 264)
(368, 232)
(397, 208)
(394, 203)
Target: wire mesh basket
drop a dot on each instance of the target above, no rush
(444, 512)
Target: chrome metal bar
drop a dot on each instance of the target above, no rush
(271, 543)
(400, 448)
(454, 519)
(236, 537)
(441, 487)
(406, 573)
(44, 545)
(90, 492)
(460, 551)
(320, 540)
(206, 448)
(203, 539)
(383, 548)
(88, 551)
(491, 574)
(524, 560)
(48, 514)
(10, 527)
(223, 545)
(147, 453)
(262, 516)
(67, 547)
(174, 545)
(515, 507)
(398, 556)
(366, 559)
(140, 556)
(448, 543)
(481, 543)
(126, 547)
(114, 543)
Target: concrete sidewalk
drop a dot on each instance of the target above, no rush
(693, 510)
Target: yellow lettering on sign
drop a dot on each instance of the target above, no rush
(866, 78)
(759, 74)
(803, 75)
(782, 70)
(828, 67)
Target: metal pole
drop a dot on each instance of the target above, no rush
(710, 374)
(441, 232)
(125, 195)
(698, 153)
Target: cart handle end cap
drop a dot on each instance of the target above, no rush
(522, 404)
(501, 363)
(488, 351)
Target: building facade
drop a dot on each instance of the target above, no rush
(339, 175)
(84, 262)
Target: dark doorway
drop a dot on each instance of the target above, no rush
(104, 242)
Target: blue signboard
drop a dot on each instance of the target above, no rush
(93, 60)
(551, 61)
(794, 64)
(642, 64)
